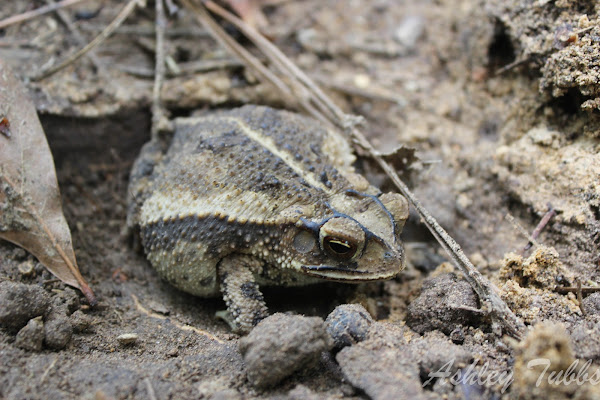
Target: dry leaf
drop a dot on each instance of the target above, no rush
(401, 158)
(30, 206)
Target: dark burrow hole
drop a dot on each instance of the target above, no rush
(90, 141)
(569, 103)
(501, 51)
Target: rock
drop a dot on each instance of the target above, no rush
(31, 336)
(58, 331)
(19, 303)
(127, 339)
(586, 340)
(66, 300)
(411, 28)
(384, 373)
(387, 365)
(445, 303)
(226, 394)
(282, 344)
(348, 324)
(27, 268)
(81, 322)
(591, 304)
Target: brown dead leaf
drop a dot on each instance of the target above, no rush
(30, 205)
(401, 158)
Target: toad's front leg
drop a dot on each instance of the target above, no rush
(245, 303)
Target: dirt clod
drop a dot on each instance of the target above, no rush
(546, 352)
(19, 303)
(445, 303)
(81, 322)
(348, 324)
(388, 366)
(282, 344)
(539, 270)
(31, 336)
(591, 304)
(58, 331)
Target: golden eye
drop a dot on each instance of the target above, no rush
(339, 248)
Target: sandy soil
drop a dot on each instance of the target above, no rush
(500, 99)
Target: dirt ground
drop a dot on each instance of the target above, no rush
(500, 99)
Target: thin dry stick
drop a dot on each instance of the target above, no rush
(521, 230)
(119, 19)
(150, 389)
(159, 69)
(580, 296)
(186, 68)
(15, 19)
(575, 289)
(284, 64)
(226, 41)
(487, 292)
(538, 229)
(62, 15)
(292, 98)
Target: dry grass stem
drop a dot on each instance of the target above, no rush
(15, 19)
(119, 19)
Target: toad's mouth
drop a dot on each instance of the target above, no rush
(345, 274)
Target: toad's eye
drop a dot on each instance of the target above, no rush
(339, 248)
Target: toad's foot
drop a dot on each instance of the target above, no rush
(245, 302)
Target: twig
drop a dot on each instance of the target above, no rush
(159, 68)
(355, 91)
(575, 289)
(186, 68)
(150, 31)
(521, 230)
(119, 19)
(15, 19)
(149, 388)
(511, 65)
(79, 39)
(580, 296)
(226, 41)
(47, 371)
(183, 327)
(538, 229)
(315, 102)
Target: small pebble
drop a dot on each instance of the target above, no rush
(411, 28)
(226, 394)
(127, 339)
(159, 308)
(27, 268)
(348, 324)
(458, 335)
(31, 336)
(19, 303)
(281, 345)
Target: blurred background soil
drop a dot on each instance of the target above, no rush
(500, 100)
